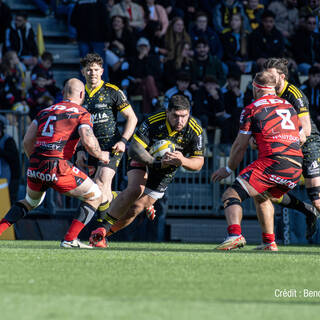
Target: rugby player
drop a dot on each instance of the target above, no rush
(274, 124)
(104, 101)
(50, 143)
(148, 178)
(310, 149)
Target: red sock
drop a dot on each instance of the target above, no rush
(74, 230)
(234, 230)
(268, 237)
(4, 225)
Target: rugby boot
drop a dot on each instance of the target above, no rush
(272, 246)
(74, 244)
(97, 238)
(232, 242)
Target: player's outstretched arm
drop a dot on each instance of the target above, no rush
(91, 144)
(30, 138)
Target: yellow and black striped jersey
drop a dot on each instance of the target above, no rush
(104, 103)
(299, 101)
(189, 141)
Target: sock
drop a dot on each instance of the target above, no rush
(268, 237)
(291, 202)
(108, 222)
(234, 230)
(74, 230)
(102, 210)
(4, 225)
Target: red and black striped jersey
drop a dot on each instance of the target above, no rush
(58, 125)
(274, 124)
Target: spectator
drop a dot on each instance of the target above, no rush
(91, 22)
(5, 18)
(201, 30)
(132, 11)
(204, 65)
(156, 23)
(209, 106)
(38, 96)
(182, 62)
(266, 41)
(312, 7)
(63, 9)
(311, 88)
(12, 80)
(9, 160)
(181, 88)
(306, 46)
(43, 6)
(222, 14)
(20, 38)
(234, 41)
(176, 33)
(254, 11)
(286, 17)
(234, 102)
(188, 9)
(45, 66)
(143, 75)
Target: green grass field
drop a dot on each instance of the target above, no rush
(155, 281)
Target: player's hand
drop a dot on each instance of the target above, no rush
(120, 146)
(81, 160)
(252, 143)
(220, 174)
(174, 158)
(105, 156)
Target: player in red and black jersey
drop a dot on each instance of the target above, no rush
(148, 178)
(105, 101)
(50, 142)
(274, 124)
(310, 149)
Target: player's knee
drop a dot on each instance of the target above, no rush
(314, 194)
(93, 194)
(234, 195)
(33, 203)
(134, 192)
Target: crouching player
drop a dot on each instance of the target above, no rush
(148, 178)
(50, 143)
(274, 125)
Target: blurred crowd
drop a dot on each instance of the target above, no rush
(159, 48)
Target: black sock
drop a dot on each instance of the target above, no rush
(102, 210)
(108, 222)
(291, 202)
(17, 212)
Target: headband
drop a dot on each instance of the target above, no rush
(259, 86)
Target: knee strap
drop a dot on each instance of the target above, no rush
(313, 193)
(230, 202)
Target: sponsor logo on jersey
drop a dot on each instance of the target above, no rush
(42, 176)
(100, 117)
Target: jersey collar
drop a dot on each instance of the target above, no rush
(91, 93)
(284, 88)
(170, 131)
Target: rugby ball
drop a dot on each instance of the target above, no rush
(161, 147)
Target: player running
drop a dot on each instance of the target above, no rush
(274, 124)
(310, 149)
(148, 178)
(104, 101)
(50, 143)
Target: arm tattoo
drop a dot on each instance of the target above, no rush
(138, 153)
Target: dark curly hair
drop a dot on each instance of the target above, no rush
(281, 64)
(90, 59)
(179, 102)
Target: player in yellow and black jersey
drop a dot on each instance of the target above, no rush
(310, 149)
(148, 178)
(104, 101)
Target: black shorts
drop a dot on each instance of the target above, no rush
(115, 159)
(158, 180)
(311, 157)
